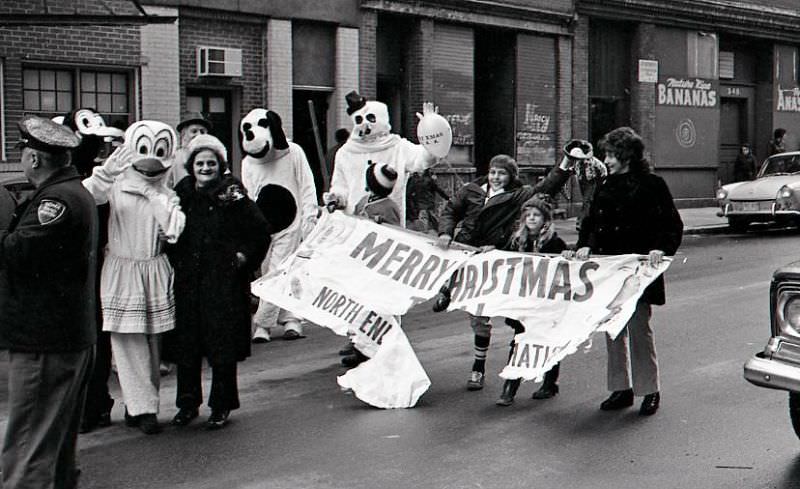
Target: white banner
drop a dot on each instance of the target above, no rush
(354, 276)
(561, 302)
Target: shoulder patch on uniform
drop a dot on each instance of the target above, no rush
(50, 211)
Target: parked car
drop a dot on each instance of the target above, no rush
(774, 196)
(778, 365)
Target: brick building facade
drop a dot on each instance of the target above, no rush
(518, 77)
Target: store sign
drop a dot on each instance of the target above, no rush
(687, 92)
(648, 71)
(788, 99)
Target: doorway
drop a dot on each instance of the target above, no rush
(495, 100)
(733, 133)
(304, 101)
(216, 106)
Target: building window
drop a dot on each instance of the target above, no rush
(2, 113)
(703, 55)
(726, 65)
(52, 92)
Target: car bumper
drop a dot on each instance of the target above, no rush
(759, 215)
(771, 370)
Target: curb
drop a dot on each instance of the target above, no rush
(710, 229)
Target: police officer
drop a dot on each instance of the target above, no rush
(47, 311)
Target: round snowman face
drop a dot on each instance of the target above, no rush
(371, 121)
(256, 135)
(153, 145)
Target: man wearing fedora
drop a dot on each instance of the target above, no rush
(192, 124)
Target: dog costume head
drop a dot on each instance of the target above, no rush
(370, 118)
(153, 145)
(261, 134)
(97, 139)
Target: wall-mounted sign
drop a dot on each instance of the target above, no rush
(687, 92)
(648, 71)
(788, 99)
(685, 133)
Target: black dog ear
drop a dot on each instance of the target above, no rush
(69, 120)
(241, 139)
(276, 127)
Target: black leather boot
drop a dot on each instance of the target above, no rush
(618, 400)
(509, 391)
(650, 404)
(546, 391)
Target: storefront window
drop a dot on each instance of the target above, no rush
(703, 55)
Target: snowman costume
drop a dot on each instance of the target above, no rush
(277, 176)
(372, 141)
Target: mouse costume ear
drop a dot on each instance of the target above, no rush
(276, 128)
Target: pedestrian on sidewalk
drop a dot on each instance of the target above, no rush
(744, 168)
(47, 264)
(224, 242)
(534, 234)
(487, 210)
(632, 212)
(136, 281)
(777, 144)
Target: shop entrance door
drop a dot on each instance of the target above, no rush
(732, 134)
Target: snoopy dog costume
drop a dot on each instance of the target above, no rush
(136, 281)
(372, 140)
(277, 175)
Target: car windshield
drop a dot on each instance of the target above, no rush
(781, 165)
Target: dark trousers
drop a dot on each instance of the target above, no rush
(45, 398)
(98, 399)
(224, 389)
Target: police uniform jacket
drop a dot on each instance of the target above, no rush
(47, 266)
(633, 212)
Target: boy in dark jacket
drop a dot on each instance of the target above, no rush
(487, 209)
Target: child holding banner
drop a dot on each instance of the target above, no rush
(487, 209)
(535, 234)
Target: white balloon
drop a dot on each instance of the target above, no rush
(435, 134)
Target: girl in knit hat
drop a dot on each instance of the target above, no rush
(534, 234)
(487, 210)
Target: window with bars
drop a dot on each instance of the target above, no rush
(51, 92)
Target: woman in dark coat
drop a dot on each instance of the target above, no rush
(224, 241)
(744, 168)
(632, 212)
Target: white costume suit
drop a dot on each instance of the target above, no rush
(372, 140)
(136, 282)
(289, 169)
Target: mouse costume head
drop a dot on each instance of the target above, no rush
(97, 139)
(370, 118)
(153, 145)
(261, 134)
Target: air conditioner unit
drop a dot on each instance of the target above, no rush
(214, 61)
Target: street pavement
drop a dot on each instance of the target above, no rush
(297, 430)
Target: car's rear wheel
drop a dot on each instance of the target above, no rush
(794, 411)
(738, 225)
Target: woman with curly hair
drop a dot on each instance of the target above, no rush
(632, 212)
(224, 242)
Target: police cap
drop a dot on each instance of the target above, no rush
(45, 135)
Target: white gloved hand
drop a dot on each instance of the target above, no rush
(118, 161)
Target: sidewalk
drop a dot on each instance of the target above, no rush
(701, 220)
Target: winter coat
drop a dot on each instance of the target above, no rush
(47, 269)
(212, 292)
(744, 168)
(491, 222)
(633, 213)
